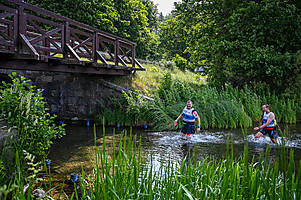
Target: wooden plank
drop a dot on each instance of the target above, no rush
(45, 35)
(102, 59)
(106, 48)
(6, 42)
(12, 10)
(4, 35)
(73, 53)
(43, 32)
(21, 20)
(80, 32)
(66, 39)
(139, 65)
(16, 28)
(125, 54)
(4, 15)
(27, 44)
(82, 43)
(58, 67)
(116, 52)
(5, 21)
(122, 62)
(95, 46)
(133, 56)
(43, 20)
(47, 49)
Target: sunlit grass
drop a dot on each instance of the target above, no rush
(148, 81)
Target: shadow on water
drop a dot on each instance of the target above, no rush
(76, 150)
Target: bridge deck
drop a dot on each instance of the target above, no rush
(33, 38)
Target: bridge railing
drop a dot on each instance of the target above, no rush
(28, 30)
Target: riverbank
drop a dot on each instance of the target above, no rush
(227, 107)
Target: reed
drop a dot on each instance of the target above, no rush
(125, 176)
(120, 172)
(219, 108)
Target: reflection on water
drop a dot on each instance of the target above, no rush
(76, 150)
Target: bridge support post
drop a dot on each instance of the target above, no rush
(95, 46)
(21, 28)
(133, 56)
(66, 40)
(116, 52)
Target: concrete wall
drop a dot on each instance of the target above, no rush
(70, 96)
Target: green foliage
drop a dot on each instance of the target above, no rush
(165, 84)
(218, 108)
(181, 62)
(173, 38)
(120, 173)
(2, 171)
(27, 178)
(23, 107)
(132, 19)
(244, 42)
(170, 65)
(126, 110)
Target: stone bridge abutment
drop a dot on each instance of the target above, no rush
(71, 96)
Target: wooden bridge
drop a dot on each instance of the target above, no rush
(32, 38)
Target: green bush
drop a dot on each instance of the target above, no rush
(181, 62)
(23, 107)
(168, 64)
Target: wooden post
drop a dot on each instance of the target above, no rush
(116, 52)
(21, 23)
(95, 46)
(16, 30)
(66, 40)
(10, 35)
(133, 55)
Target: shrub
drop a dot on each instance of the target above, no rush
(23, 107)
(168, 64)
(180, 62)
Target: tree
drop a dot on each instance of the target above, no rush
(130, 19)
(244, 42)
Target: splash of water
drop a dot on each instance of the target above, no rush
(174, 138)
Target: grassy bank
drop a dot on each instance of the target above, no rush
(148, 81)
(218, 107)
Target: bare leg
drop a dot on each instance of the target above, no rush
(258, 135)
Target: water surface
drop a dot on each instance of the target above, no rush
(75, 151)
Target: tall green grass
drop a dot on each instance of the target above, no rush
(219, 107)
(124, 175)
(121, 172)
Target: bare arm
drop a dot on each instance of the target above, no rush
(180, 116)
(270, 119)
(199, 123)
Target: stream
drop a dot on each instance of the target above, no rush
(75, 151)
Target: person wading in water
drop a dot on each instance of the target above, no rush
(267, 125)
(189, 115)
